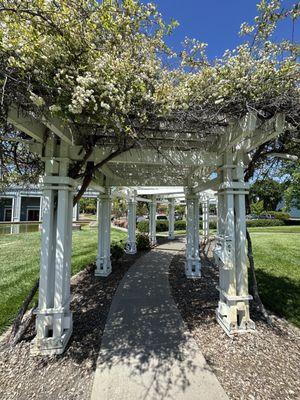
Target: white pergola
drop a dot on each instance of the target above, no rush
(167, 160)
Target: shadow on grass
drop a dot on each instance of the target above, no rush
(281, 295)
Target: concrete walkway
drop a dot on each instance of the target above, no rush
(147, 352)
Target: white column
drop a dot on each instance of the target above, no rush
(152, 221)
(205, 219)
(171, 219)
(98, 210)
(16, 211)
(76, 213)
(41, 209)
(103, 262)
(192, 266)
(54, 318)
(230, 252)
(130, 247)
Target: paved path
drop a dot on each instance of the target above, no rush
(147, 352)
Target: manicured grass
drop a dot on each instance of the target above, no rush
(277, 262)
(19, 265)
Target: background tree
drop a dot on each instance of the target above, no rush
(268, 191)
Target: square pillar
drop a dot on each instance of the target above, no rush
(103, 263)
(205, 219)
(230, 252)
(54, 318)
(192, 266)
(76, 213)
(130, 247)
(16, 208)
(41, 209)
(171, 218)
(152, 221)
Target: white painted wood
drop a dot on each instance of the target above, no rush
(152, 221)
(54, 319)
(16, 207)
(131, 239)
(171, 218)
(205, 219)
(192, 266)
(26, 124)
(75, 215)
(230, 252)
(103, 262)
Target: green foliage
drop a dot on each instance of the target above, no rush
(141, 209)
(143, 226)
(257, 207)
(116, 250)
(292, 192)
(277, 214)
(264, 222)
(213, 224)
(268, 191)
(119, 206)
(161, 226)
(180, 225)
(142, 242)
(88, 205)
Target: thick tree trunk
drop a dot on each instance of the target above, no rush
(254, 288)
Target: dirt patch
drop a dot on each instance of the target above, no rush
(264, 365)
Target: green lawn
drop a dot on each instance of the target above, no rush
(277, 261)
(19, 265)
(276, 251)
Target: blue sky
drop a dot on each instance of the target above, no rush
(215, 22)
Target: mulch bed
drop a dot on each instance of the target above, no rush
(68, 376)
(263, 365)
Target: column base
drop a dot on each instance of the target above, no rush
(130, 248)
(171, 237)
(103, 267)
(193, 268)
(49, 344)
(153, 241)
(234, 318)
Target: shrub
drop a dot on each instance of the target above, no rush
(161, 226)
(143, 226)
(264, 222)
(116, 250)
(142, 242)
(180, 225)
(277, 214)
(213, 224)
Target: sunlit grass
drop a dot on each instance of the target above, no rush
(19, 265)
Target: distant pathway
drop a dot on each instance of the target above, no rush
(147, 352)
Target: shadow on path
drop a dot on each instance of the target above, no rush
(146, 350)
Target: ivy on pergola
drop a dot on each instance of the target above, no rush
(93, 74)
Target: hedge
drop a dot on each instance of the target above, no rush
(161, 226)
(264, 222)
(277, 214)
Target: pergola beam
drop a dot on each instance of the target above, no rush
(27, 124)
